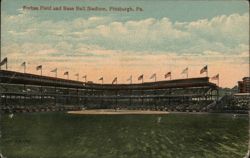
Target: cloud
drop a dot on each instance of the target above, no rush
(228, 30)
(227, 34)
(146, 45)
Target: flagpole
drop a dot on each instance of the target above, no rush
(219, 82)
(55, 71)
(77, 76)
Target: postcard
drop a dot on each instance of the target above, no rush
(124, 79)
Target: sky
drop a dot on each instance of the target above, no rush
(158, 36)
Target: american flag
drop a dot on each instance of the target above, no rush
(216, 77)
(153, 76)
(115, 80)
(185, 71)
(140, 77)
(204, 69)
(4, 61)
(66, 73)
(168, 75)
(23, 64)
(101, 78)
(39, 67)
(54, 70)
(130, 78)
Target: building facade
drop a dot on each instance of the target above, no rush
(244, 85)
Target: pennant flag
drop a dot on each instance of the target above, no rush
(153, 76)
(54, 70)
(101, 78)
(23, 64)
(140, 77)
(39, 67)
(216, 77)
(185, 71)
(168, 75)
(66, 73)
(4, 61)
(114, 81)
(204, 69)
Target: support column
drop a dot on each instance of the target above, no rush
(154, 98)
(25, 93)
(116, 98)
(85, 98)
(130, 98)
(55, 96)
(142, 99)
(78, 99)
(102, 99)
(41, 95)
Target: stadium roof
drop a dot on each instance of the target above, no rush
(12, 77)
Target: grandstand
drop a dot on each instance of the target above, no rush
(238, 102)
(29, 92)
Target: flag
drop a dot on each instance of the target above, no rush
(101, 78)
(216, 77)
(130, 78)
(153, 76)
(23, 64)
(168, 75)
(114, 81)
(140, 77)
(77, 75)
(66, 73)
(4, 61)
(185, 71)
(39, 67)
(204, 69)
(85, 77)
(54, 70)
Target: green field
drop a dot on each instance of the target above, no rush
(61, 135)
